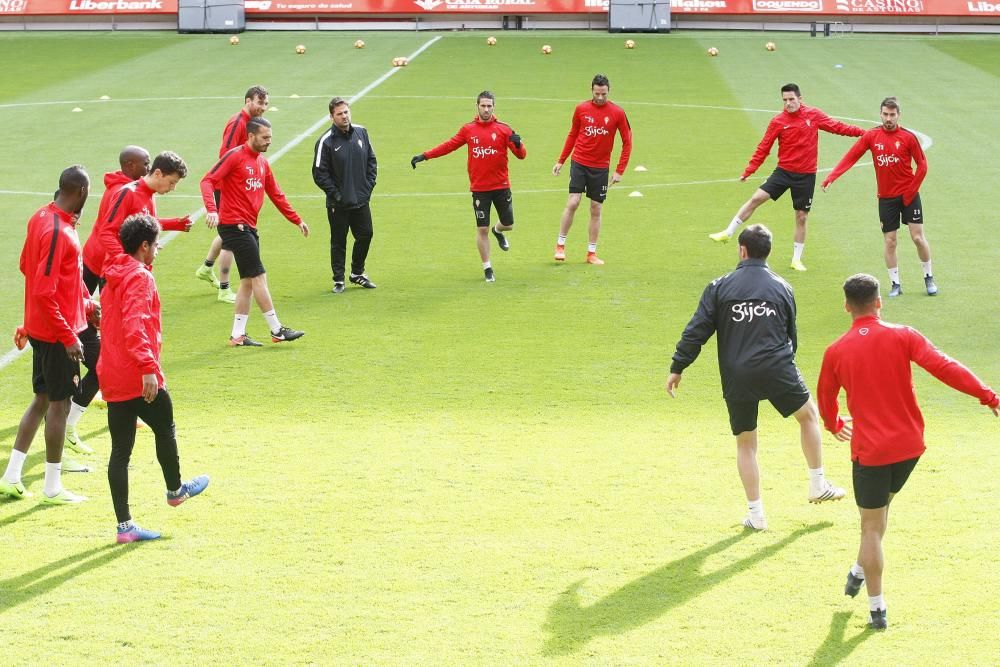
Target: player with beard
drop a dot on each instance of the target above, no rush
(255, 103)
(488, 141)
(894, 152)
(243, 176)
(591, 139)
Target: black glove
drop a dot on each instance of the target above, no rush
(416, 159)
(516, 139)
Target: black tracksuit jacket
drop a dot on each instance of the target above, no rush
(344, 167)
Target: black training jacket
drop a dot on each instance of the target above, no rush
(753, 311)
(344, 167)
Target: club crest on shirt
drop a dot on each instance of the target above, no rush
(494, 135)
(808, 123)
(607, 119)
(361, 144)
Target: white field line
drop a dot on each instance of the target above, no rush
(14, 353)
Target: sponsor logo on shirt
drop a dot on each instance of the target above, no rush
(481, 152)
(594, 131)
(253, 184)
(788, 5)
(886, 160)
(748, 311)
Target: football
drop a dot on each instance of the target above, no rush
(770, 46)
(546, 49)
(300, 49)
(491, 41)
(629, 44)
(395, 62)
(712, 51)
(234, 40)
(360, 44)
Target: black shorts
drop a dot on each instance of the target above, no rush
(243, 242)
(892, 211)
(500, 199)
(53, 373)
(743, 414)
(588, 179)
(873, 484)
(803, 186)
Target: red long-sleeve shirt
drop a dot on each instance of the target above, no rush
(93, 250)
(797, 135)
(235, 132)
(893, 154)
(243, 176)
(124, 200)
(488, 142)
(592, 136)
(872, 363)
(131, 329)
(56, 301)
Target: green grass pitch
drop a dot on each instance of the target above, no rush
(448, 472)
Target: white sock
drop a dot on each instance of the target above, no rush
(858, 571)
(894, 275)
(816, 478)
(591, 247)
(756, 507)
(125, 525)
(734, 225)
(797, 250)
(15, 467)
(927, 268)
(272, 320)
(876, 602)
(53, 482)
(239, 325)
(75, 412)
(487, 265)
(560, 240)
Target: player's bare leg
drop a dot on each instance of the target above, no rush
(261, 293)
(892, 263)
(924, 253)
(758, 198)
(565, 222)
(746, 464)
(811, 436)
(873, 525)
(483, 244)
(801, 217)
(594, 231)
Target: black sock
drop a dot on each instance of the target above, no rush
(209, 263)
(224, 285)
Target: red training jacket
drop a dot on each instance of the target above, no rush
(131, 329)
(243, 176)
(798, 139)
(592, 136)
(235, 132)
(128, 199)
(93, 250)
(56, 302)
(488, 143)
(893, 154)
(872, 363)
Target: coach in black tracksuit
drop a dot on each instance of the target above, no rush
(344, 167)
(753, 311)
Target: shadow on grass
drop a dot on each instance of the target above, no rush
(22, 588)
(834, 648)
(13, 518)
(638, 602)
